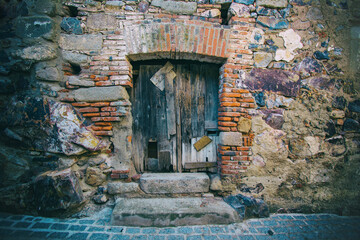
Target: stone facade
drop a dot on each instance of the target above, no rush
(288, 113)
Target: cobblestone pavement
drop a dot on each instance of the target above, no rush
(278, 226)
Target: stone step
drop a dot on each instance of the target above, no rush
(173, 183)
(160, 212)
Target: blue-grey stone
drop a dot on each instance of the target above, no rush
(77, 228)
(99, 236)
(321, 55)
(167, 231)
(354, 106)
(129, 8)
(41, 225)
(351, 125)
(57, 235)
(71, 25)
(78, 236)
(246, 2)
(121, 237)
(272, 22)
(308, 65)
(31, 27)
(339, 102)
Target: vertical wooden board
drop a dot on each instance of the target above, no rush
(201, 96)
(195, 83)
(211, 73)
(170, 107)
(178, 165)
(193, 151)
(164, 161)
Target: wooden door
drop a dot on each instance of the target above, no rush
(168, 122)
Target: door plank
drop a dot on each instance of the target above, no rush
(170, 107)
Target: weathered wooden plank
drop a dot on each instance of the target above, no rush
(158, 79)
(164, 161)
(195, 84)
(195, 165)
(202, 143)
(201, 104)
(212, 88)
(170, 107)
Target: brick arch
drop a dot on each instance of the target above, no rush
(177, 39)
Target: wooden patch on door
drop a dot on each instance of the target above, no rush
(165, 73)
(203, 142)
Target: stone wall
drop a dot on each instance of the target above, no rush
(288, 114)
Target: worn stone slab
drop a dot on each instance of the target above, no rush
(272, 3)
(122, 187)
(230, 138)
(101, 21)
(174, 182)
(172, 212)
(81, 42)
(186, 8)
(98, 94)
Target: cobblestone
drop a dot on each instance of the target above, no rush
(277, 226)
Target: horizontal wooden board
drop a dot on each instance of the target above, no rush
(195, 165)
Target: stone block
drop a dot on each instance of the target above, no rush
(100, 94)
(174, 183)
(246, 2)
(55, 191)
(101, 21)
(38, 52)
(172, 212)
(86, 42)
(71, 25)
(244, 125)
(186, 8)
(239, 10)
(262, 59)
(273, 22)
(47, 73)
(230, 138)
(75, 58)
(292, 40)
(31, 27)
(212, 13)
(285, 82)
(122, 187)
(272, 3)
(74, 80)
(314, 13)
(94, 176)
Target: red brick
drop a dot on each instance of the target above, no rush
(224, 147)
(224, 118)
(96, 128)
(230, 104)
(225, 99)
(248, 100)
(111, 119)
(240, 91)
(224, 129)
(230, 95)
(121, 171)
(229, 114)
(103, 133)
(108, 109)
(80, 104)
(91, 114)
(104, 83)
(88, 110)
(100, 104)
(103, 123)
(227, 124)
(67, 99)
(105, 114)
